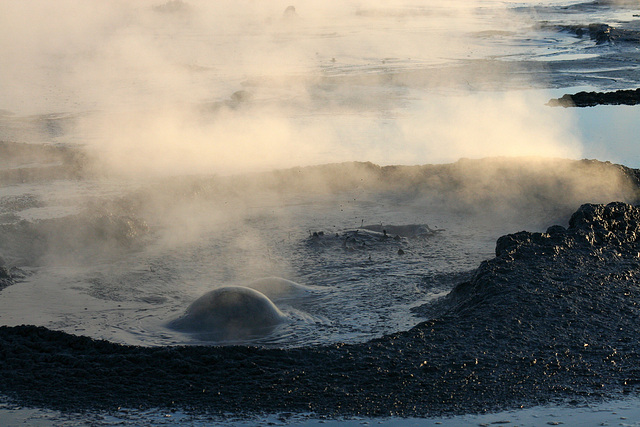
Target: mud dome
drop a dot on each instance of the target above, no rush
(553, 316)
(230, 313)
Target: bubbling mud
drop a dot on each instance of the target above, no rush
(230, 313)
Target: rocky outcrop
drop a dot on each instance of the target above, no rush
(603, 33)
(591, 99)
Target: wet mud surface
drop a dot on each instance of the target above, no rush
(553, 317)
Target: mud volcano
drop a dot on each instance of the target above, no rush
(230, 313)
(554, 316)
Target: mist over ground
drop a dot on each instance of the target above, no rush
(228, 87)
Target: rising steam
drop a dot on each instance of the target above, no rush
(227, 87)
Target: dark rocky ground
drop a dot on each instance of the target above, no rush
(554, 316)
(591, 99)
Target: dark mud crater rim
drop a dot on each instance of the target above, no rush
(554, 315)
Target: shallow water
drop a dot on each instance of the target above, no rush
(624, 412)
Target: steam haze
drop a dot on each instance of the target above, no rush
(228, 87)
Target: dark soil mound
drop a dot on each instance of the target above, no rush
(591, 99)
